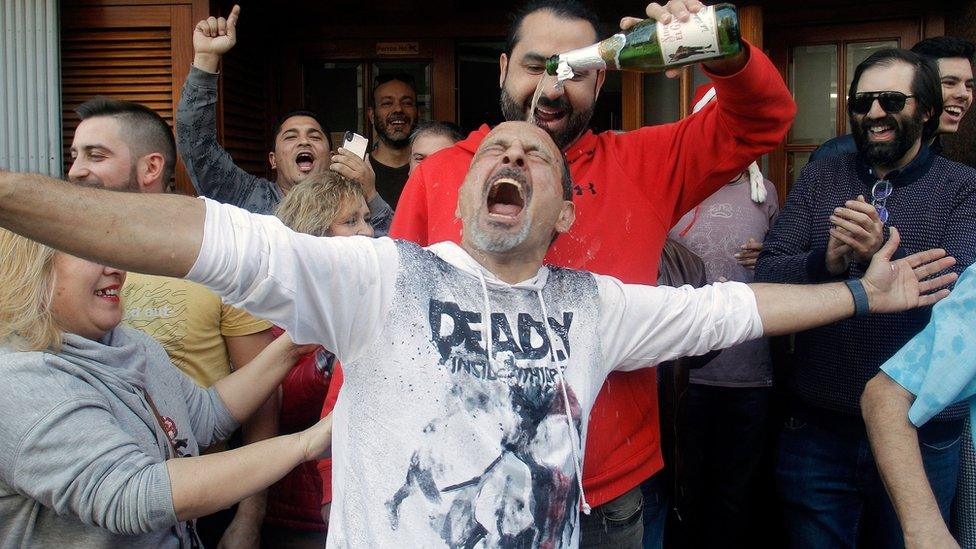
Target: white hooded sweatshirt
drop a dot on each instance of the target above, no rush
(436, 444)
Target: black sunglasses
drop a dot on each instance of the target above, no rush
(890, 101)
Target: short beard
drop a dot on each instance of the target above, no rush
(907, 132)
(131, 185)
(392, 142)
(575, 126)
(499, 243)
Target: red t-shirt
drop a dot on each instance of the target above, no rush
(325, 465)
(629, 189)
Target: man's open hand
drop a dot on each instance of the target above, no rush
(894, 286)
(212, 38)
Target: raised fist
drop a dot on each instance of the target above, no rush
(216, 35)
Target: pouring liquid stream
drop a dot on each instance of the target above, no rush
(546, 80)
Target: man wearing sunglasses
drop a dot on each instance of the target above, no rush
(954, 57)
(836, 218)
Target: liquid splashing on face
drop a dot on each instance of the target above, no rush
(546, 80)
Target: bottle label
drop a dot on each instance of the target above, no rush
(697, 39)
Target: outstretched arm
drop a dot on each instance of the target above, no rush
(211, 168)
(206, 484)
(891, 286)
(152, 234)
(645, 326)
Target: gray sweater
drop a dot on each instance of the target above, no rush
(82, 456)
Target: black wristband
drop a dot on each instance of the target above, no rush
(861, 306)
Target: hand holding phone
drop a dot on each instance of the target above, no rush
(351, 162)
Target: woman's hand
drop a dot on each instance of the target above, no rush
(316, 441)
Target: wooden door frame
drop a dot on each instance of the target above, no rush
(438, 51)
(907, 29)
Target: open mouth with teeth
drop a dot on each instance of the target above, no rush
(881, 132)
(549, 114)
(954, 111)
(505, 198)
(110, 293)
(397, 124)
(305, 160)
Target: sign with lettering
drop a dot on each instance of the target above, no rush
(398, 48)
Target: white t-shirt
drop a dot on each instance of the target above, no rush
(433, 444)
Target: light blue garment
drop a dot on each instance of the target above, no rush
(938, 365)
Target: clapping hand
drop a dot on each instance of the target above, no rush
(858, 225)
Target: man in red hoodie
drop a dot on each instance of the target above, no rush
(629, 189)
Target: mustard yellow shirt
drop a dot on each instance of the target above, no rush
(189, 321)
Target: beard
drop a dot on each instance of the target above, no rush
(576, 122)
(499, 242)
(398, 142)
(907, 132)
(131, 185)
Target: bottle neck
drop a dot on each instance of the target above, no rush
(584, 59)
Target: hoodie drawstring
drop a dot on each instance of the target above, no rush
(486, 322)
(574, 435)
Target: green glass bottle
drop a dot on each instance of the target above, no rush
(649, 46)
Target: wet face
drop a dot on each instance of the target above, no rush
(352, 219)
(300, 150)
(564, 113)
(886, 139)
(425, 145)
(394, 113)
(86, 296)
(956, 74)
(511, 201)
(100, 158)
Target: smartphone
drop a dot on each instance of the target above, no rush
(355, 143)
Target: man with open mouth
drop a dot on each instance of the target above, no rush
(838, 214)
(954, 57)
(629, 188)
(301, 141)
(494, 360)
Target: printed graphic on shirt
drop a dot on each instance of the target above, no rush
(477, 452)
(173, 434)
(161, 313)
(522, 498)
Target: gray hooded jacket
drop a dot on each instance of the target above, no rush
(82, 456)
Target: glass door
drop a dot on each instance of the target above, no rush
(818, 64)
(339, 91)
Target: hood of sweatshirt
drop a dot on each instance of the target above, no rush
(116, 365)
(458, 257)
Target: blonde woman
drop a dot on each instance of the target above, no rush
(95, 416)
(323, 205)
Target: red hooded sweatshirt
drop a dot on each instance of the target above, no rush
(629, 189)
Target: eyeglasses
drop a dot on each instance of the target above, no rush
(890, 101)
(880, 192)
